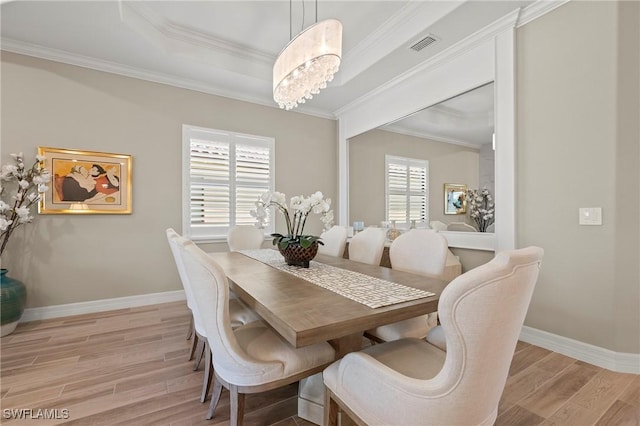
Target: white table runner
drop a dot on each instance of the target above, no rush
(370, 291)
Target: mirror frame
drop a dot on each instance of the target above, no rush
(487, 56)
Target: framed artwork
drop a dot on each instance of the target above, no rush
(86, 182)
(455, 198)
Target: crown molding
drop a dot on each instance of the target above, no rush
(538, 9)
(142, 74)
(391, 128)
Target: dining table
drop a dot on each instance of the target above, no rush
(304, 313)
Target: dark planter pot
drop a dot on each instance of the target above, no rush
(12, 300)
(296, 255)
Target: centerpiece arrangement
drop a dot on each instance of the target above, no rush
(296, 247)
(26, 185)
(481, 208)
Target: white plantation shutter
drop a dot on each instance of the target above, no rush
(407, 189)
(224, 175)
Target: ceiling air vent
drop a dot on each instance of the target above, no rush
(428, 40)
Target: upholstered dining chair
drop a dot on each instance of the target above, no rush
(422, 252)
(367, 246)
(251, 358)
(412, 382)
(335, 240)
(244, 237)
(239, 314)
(461, 227)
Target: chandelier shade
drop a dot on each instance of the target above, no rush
(307, 63)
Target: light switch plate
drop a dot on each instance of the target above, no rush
(590, 216)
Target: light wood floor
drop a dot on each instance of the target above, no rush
(130, 367)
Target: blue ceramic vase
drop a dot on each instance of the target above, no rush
(12, 301)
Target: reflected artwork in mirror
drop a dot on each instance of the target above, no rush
(455, 198)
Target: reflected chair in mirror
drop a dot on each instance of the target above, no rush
(422, 252)
(334, 241)
(244, 237)
(367, 246)
(436, 225)
(461, 227)
(251, 358)
(239, 313)
(410, 381)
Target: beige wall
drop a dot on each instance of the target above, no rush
(65, 259)
(577, 120)
(447, 164)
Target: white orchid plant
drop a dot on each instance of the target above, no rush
(481, 208)
(301, 208)
(29, 184)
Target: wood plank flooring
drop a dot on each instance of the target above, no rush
(129, 367)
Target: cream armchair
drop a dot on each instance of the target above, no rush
(334, 240)
(244, 237)
(251, 358)
(422, 252)
(239, 314)
(411, 382)
(367, 246)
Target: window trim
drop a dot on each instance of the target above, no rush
(187, 133)
(406, 161)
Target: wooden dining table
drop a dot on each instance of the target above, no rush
(304, 313)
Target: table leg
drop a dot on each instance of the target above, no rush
(346, 344)
(311, 393)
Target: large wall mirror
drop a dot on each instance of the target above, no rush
(486, 63)
(452, 139)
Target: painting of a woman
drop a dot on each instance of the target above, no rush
(78, 185)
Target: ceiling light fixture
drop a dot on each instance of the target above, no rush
(308, 62)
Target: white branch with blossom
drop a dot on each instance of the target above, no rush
(481, 208)
(29, 184)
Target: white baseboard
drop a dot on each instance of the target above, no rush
(601, 357)
(57, 311)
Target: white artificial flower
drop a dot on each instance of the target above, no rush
(17, 156)
(24, 184)
(42, 188)
(22, 211)
(40, 157)
(4, 206)
(40, 179)
(4, 224)
(8, 170)
(33, 196)
(265, 197)
(279, 197)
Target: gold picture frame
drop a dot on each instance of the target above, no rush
(455, 198)
(86, 182)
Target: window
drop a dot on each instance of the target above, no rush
(223, 175)
(407, 189)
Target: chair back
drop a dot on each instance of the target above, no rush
(367, 246)
(461, 227)
(244, 237)
(421, 251)
(436, 225)
(335, 239)
(482, 312)
(211, 292)
(175, 240)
